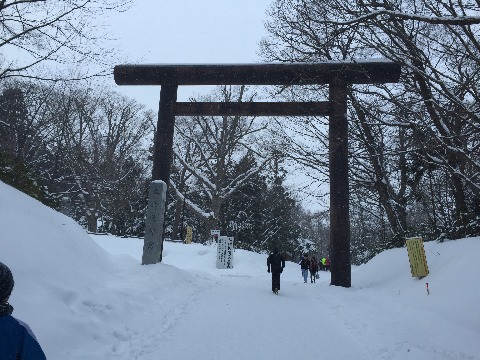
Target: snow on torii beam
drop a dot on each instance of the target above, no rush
(337, 74)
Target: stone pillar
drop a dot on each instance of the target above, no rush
(153, 241)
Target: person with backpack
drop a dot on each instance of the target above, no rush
(313, 269)
(305, 265)
(17, 340)
(275, 265)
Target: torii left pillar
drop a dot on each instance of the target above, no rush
(162, 163)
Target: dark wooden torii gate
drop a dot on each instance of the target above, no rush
(337, 74)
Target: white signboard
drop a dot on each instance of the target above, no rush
(225, 252)
(215, 234)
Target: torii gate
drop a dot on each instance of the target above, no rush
(337, 74)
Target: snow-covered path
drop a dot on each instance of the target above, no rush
(236, 316)
(241, 318)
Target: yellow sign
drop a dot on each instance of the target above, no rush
(416, 256)
(188, 239)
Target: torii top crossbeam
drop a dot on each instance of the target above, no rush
(354, 72)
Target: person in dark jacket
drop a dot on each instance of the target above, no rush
(275, 265)
(17, 341)
(313, 269)
(305, 265)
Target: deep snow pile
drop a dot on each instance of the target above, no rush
(88, 297)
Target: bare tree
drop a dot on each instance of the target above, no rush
(181, 179)
(119, 134)
(218, 144)
(68, 32)
(436, 103)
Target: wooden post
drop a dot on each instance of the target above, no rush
(339, 193)
(162, 162)
(163, 146)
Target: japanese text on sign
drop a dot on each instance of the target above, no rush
(225, 252)
(188, 239)
(417, 258)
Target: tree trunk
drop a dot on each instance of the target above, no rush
(177, 220)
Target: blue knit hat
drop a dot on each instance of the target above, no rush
(6, 282)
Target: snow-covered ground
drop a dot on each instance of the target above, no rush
(88, 297)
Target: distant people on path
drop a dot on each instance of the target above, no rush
(327, 264)
(275, 265)
(305, 266)
(17, 340)
(324, 262)
(313, 269)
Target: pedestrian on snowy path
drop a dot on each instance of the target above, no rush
(17, 341)
(275, 265)
(327, 264)
(313, 269)
(305, 265)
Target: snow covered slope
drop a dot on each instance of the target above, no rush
(88, 297)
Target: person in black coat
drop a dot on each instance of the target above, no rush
(313, 269)
(275, 265)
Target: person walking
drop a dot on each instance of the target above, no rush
(313, 269)
(327, 264)
(17, 340)
(275, 265)
(324, 261)
(305, 265)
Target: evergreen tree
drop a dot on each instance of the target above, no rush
(15, 140)
(262, 214)
(14, 172)
(242, 215)
(125, 201)
(281, 224)
(13, 121)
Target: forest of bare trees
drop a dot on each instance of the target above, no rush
(85, 150)
(414, 164)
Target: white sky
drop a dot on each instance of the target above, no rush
(84, 302)
(187, 31)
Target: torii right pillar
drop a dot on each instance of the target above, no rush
(341, 272)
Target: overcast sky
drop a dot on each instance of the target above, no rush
(187, 31)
